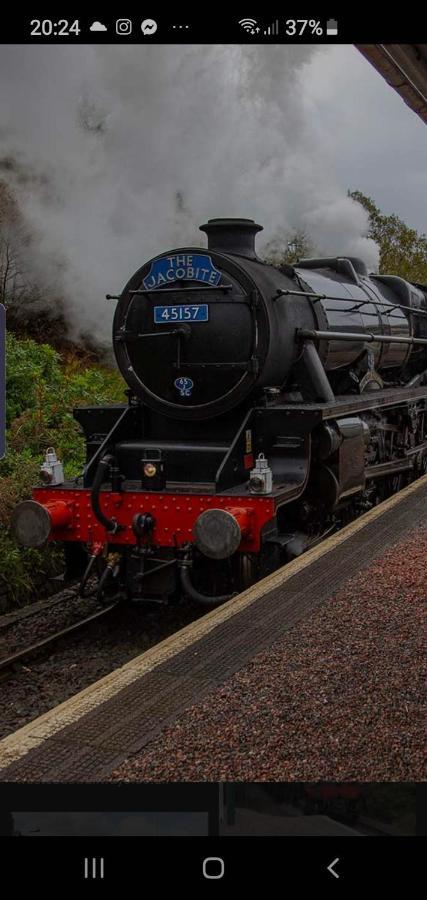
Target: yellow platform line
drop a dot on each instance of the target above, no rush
(16, 745)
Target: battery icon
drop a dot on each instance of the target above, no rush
(332, 27)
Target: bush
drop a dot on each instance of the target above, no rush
(41, 392)
(25, 571)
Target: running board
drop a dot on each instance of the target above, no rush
(346, 405)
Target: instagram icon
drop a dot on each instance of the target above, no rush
(123, 27)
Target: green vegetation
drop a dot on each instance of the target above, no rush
(42, 389)
(289, 249)
(403, 251)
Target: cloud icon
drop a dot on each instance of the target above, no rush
(98, 26)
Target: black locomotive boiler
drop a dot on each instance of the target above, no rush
(265, 407)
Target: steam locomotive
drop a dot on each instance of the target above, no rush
(266, 406)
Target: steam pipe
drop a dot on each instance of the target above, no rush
(316, 373)
(190, 590)
(370, 338)
(102, 471)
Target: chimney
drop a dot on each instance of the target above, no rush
(236, 236)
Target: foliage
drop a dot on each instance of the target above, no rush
(41, 391)
(288, 249)
(25, 571)
(403, 251)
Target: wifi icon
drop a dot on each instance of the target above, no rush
(249, 25)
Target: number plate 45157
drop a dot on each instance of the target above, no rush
(165, 314)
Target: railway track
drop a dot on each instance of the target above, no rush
(45, 606)
(8, 662)
(7, 620)
(60, 645)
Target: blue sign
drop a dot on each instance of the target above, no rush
(2, 381)
(165, 314)
(181, 267)
(184, 386)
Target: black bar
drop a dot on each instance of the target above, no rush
(132, 335)
(176, 796)
(224, 366)
(335, 866)
(306, 294)
(353, 27)
(182, 290)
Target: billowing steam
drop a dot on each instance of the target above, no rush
(118, 153)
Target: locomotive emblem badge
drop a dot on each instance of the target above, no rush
(184, 386)
(181, 267)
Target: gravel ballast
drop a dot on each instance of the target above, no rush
(57, 673)
(340, 697)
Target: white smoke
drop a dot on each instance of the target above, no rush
(119, 153)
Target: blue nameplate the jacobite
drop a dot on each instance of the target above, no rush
(181, 267)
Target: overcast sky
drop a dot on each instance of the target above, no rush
(116, 154)
(377, 144)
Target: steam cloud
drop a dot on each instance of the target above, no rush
(118, 153)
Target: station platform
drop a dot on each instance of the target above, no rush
(313, 674)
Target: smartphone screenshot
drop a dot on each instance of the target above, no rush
(213, 447)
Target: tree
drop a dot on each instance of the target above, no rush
(12, 281)
(33, 310)
(287, 250)
(403, 251)
(13, 285)
(17, 287)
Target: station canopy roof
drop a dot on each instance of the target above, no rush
(404, 67)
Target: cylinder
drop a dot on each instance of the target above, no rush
(33, 522)
(219, 532)
(236, 236)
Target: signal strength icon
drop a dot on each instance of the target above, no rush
(272, 29)
(249, 25)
